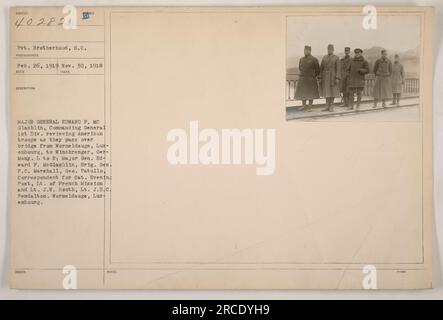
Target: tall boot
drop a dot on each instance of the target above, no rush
(327, 104)
(350, 101)
(394, 99)
(309, 108)
(346, 97)
(359, 93)
(331, 104)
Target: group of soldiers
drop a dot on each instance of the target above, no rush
(345, 78)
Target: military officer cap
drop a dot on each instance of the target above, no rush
(308, 47)
(330, 46)
(356, 50)
(347, 49)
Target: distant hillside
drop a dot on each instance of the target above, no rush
(410, 60)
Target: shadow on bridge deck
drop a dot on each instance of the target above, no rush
(294, 112)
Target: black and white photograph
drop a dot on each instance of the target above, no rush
(338, 68)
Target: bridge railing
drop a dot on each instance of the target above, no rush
(411, 87)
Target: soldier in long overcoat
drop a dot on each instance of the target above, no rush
(344, 65)
(330, 78)
(397, 79)
(356, 71)
(307, 87)
(382, 86)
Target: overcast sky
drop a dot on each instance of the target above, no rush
(399, 33)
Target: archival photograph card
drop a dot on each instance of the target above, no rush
(221, 147)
